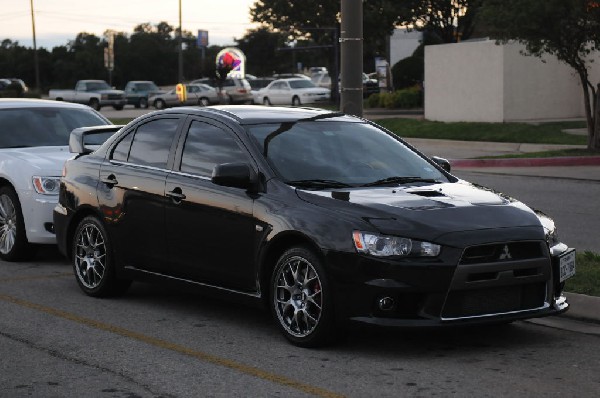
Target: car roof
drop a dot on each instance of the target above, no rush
(253, 114)
(9, 103)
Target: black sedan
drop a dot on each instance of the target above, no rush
(323, 217)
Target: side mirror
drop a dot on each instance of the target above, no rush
(443, 163)
(235, 175)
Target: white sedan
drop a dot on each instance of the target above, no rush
(34, 137)
(294, 91)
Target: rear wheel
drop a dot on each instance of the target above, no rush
(143, 103)
(301, 298)
(118, 107)
(13, 240)
(93, 262)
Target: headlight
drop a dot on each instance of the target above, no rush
(388, 246)
(46, 185)
(550, 229)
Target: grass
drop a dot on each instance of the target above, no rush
(587, 278)
(543, 133)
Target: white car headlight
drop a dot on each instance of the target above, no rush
(388, 246)
(46, 185)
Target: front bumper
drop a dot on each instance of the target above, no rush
(37, 214)
(446, 290)
(113, 102)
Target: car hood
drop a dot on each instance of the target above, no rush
(438, 212)
(46, 160)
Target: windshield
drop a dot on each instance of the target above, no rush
(301, 83)
(339, 152)
(97, 86)
(30, 127)
(147, 87)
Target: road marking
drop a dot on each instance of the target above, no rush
(33, 278)
(213, 359)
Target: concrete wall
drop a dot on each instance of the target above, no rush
(480, 81)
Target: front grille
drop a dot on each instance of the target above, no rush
(115, 96)
(494, 300)
(510, 251)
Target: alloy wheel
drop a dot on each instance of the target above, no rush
(298, 299)
(90, 256)
(8, 224)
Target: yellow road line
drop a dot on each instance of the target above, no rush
(213, 359)
(36, 277)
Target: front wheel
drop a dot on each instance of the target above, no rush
(203, 101)
(143, 103)
(13, 240)
(159, 104)
(296, 101)
(94, 104)
(266, 101)
(118, 107)
(93, 261)
(301, 299)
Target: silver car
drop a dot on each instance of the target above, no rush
(197, 94)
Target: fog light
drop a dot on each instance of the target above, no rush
(386, 303)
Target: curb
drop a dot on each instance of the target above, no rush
(528, 162)
(583, 307)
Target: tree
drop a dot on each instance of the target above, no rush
(312, 19)
(260, 47)
(567, 29)
(450, 20)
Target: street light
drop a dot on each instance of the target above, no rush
(35, 53)
(180, 74)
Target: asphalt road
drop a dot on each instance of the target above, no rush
(159, 342)
(572, 203)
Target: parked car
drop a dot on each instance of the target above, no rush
(197, 94)
(22, 87)
(137, 92)
(34, 135)
(235, 91)
(293, 91)
(370, 86)
(257, 84)
(95, 93)
(322, 217)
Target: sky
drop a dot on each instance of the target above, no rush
(58, 21)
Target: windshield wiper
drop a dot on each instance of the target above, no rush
(399, 180)
(316, 183)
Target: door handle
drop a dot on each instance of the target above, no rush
(110, 181)
(176, 194)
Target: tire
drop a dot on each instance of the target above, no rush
(266, 101)
(159, 104)
(203, 101)
(13, 240)
(93, 261)
(230, 100)
(118, 107)
(94, 104)
(296, 101)
(302, 307)
(143, 103)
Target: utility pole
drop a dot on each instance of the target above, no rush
(352, 52)
(35, 53)
(180, 74)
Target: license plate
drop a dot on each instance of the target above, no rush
(567, 265)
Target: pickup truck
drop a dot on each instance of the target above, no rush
(95, 93)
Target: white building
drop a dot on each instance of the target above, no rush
(482, 81)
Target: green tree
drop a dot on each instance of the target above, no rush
(567, 29)
(261, 46)
(450, 20)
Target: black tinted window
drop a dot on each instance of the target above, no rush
(207, 146)
(152, 142)
(121, 151)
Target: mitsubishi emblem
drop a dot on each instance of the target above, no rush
(505, 255)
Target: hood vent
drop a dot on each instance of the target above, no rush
(427, 193)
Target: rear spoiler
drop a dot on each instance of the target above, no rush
(77, 137)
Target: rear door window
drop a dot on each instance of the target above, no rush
(151, 144)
